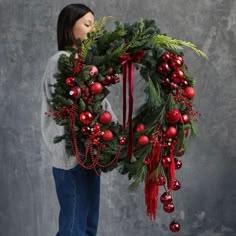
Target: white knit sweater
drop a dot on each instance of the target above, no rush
(49, 128)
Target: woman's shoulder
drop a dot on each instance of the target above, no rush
(55, 56)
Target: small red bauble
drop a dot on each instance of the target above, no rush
(75, 92)
(178, 163)
(140, 127)
(171, 132)
(143, 140)
(165, 82)
(107, 80)
(189, 92)
(180, 74)
(70, 81)
(166, 56)
(163, 68)
(85, 130)
(96, 128)
(115, 79)
(173, 85)
(173, 116)
(105, 117)
(166, 198)
(166, 161)
(177, 185)
(122, 140)
(161, 180)
(185, 119)
(86, 117)
(93, 71)
(175, 78)
(186, 132)
(107, 135)
(180, 152)
(175, 226)
(95, 88)
(170, 207)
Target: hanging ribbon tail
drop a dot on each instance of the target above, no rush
(151, 188)
(127, 61)
(172, 167)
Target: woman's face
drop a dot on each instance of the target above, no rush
(82, 26)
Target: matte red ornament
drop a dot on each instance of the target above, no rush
(86, 117)
(173, 116)
(178, 163)
(175, 226)
(189, 92)
(105, 117)
(177, 185)
(185, 119)
(171, 132)
(166, 198)
(93, 71)
(166, 161)
(143, 140)
(75, 92)
(170, 207)
(140, 127)
(107, 135)
(95, 88)
(161, 180)
(163, 68)
(70, 81)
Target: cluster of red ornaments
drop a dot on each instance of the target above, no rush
(111, 77)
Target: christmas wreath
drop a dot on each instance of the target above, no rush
(146, 146)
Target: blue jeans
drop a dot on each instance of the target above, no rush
(78, 192)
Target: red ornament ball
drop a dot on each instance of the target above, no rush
(86, 117)
(163, 68)
(122, 140)
(70, 81)
(75, 92)
(189, 92)
(143, 140)
(107, 135)
(169, 207)
(171, 132)
(175, 226)
(85, 130)
(166, 198)
(173, 116)
(166, 161)
(166, 56)
(178, 163)
(140, 127)
(177, 185)
(161, 180)
(105, 117)
(185, 119)
(107, 80)
(96, 88)
(93, 71)
(96, 128)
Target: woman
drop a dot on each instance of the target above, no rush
(78, 190)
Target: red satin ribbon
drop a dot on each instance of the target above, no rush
(127, 60)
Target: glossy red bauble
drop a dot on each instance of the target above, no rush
(177, 185)
(140, 127)
(185, 119)
(93, 71)
(171, 132)
(70, 81)
(161, 180)
(166, 198)
(189, 92)
(166, 56)
(169, 207)
(105, 117)
(173, 116)
(178, 163)
(85, 130)
(96, 88)
(107, 80)
(122, 140)
(163, 68)
(75, 92)
(143, 140)
(107, 135)
(175, 226)
(86, 117)
(166, 161)
(96, 128)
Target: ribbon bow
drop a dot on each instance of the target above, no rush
(127, 61)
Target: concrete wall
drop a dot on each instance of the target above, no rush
(206, 203)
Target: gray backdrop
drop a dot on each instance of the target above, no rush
(205, 205)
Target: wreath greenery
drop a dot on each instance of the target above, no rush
(146, 146)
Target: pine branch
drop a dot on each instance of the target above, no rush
(172, 43)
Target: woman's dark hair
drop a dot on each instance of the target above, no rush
(66, 20)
